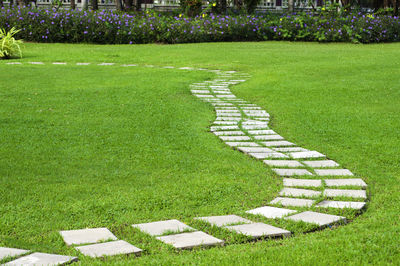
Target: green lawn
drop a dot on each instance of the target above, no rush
(106, 146)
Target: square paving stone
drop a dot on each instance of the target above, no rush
(228, 133)
(266, 155)
(217, 128)
(254, 149)
(162, 227)
(294, 182)
(260, 126)
(306, 154)
(109, 249)
(262, 132)
(341, 204)
(86, 236)
(268, 137)
(258, 230)
(225, 122)
(224, 220)
(293, 202)
(11, 252)
(200, 91)
(298, 192)
(277, 143)
(345, 193)
(271, 212)
(291, 172)
(321, 164)
(290, 149)
(228, 114)
(234, 138)
(242, 144)
(283, 163)
(333, 172)
(345, 182)
(226, 118)
(321, 219)
(190, 240)
(42, 259)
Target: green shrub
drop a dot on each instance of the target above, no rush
(9, 46)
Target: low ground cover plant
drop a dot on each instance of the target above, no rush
(111, 27)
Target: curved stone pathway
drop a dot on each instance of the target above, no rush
(310, 180)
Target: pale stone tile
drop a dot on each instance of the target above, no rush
(291, 172)
(321, 219)
(200, 91)
(259, 230)
(267, 155)
(294, 182)
(262, 132)
(306, 154)
(162, 227)
(298, 192)
(190, 240)
(86, 236)
(268, 137)
(228, 133)
(293, 202)
(109, 249)
(345, 182)
(242, 144)
(42, 259)
(234, 138)
(341, 204)
(277, 143)
(345, 193)
(224, 220)
(271, 212)
(290, 149)
(333, 172)
(283, 163)
(255, 149)
(11, 252)
(321, 164)
(217, 128)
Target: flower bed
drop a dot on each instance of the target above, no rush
(111, 27)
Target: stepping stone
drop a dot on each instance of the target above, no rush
(291, 172)
(283, 163)
(250, 122)
(316, 218)
(234, 138)
(321, 164)
(259, 230)
(240, 144)
(290, 149)
(271, 212)
(130, 65)
(105, 64)
(86, 236)
(228, 114)
(82, 64)
(109, 249)
(226, 96)
(190, 240)
(36, 63)
(345, 182)
(333, 172)
(268, 137)
(11, 252)
(298, 192)
(216, 128)
(59, 63)
(292, 202)
(267, 155)
(277, 143)
(224, 220)
(251, 108)
(204, 95)
(228, 133)
(14, 63)
(261, 132)
(341, 204)
(293, 182)
(225, 122)
(43, 259)
(162, 227)
(200, 91)
(260, 126)
(345, 193)
(254, 149)
(306, 154)
(226, 118)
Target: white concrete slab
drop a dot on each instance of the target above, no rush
(333, 172)
(225, 122)
(341, 204)
(321, 219)
(162, 227)
(228, 133)
(345, 182)
(11, 252)
(191, 240)
(261, 132)
(218, 128)
(37, 259)
(87, 236)
(293, 202)
(345, 193)
(290, 149)
(298, 192)
(249, 127)
(321, 164)
(283, 163)
(267, 155)
(234, 138)
(224, 220)
(259, 230)
(109, 249)
(294, 182)
(254, 149)
(271, 212)
(277, 143)
(268, 137)
(242, 144)
(291, 172)
(200, 91)
(306, 155)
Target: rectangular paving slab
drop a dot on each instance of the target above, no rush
(224, 220)
(11, 252)
(190, 240)
(234, 138)
(321, 219)
(345, 182)
(162, 227)
(262, 132)
(267, 155)
(345, 193)
(293, 202)
(341, 204)
(242, 144)
(283, 163)
(271, 212)
(86, 236)
(294, 182)
(217, 128)
(277, 143)
(228, 133)
(321, 164)
(291, 172)
(259, 230)
(268, 137)
(254, 149)
(290, 149)
(298, 192)
(306, 155)
(109, 249)
(42, 259)
(333, 172)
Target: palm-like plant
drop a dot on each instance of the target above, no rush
(9, 46)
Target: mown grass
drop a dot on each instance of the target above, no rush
(90, 146)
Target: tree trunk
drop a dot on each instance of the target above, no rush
(223, 6)
(73, 5)
(94, 4)
(396, 7)
(1, 3)
(118, 5)
(291, 6)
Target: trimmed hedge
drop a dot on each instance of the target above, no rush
(111, 27)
